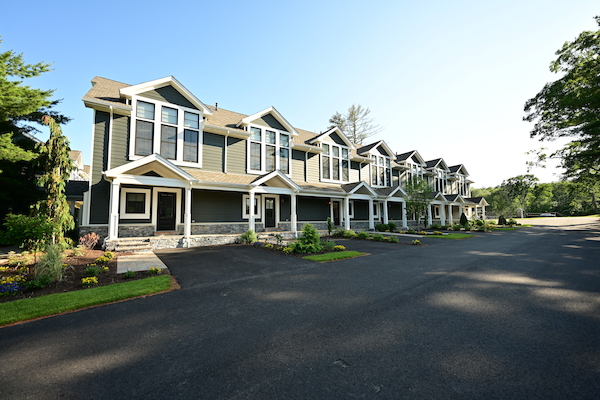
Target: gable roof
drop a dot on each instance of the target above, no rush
(273, 111)
(369, 147)
(437, 163)
(402, 158)
(145, 161)
(319, 138)
(456, 169)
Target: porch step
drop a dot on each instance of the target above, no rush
(168, 233)
(133, 245)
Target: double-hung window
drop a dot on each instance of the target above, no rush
(381, 168)
(167, 129)
(335, 162)
(268, 150)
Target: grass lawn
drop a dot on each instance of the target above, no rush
(504, 229)
(25, 309)
(452, 236)
(339, 255)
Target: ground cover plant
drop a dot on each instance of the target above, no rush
(334, 256)
(452, 236)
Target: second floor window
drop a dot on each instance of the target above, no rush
(381, 168)
(335, 162)
(268, 150)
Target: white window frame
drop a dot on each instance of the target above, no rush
(124, 214)
(258, 200)
(178, 197)
(381, 161)
(157, 122)
(263, 150)
(341, 159)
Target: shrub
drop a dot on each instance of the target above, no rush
(435, 226)
(480, 222)
(278, 239)
(501, 220)
(109, 254)
(248, 237)
(92, 271)
(89, 241)
(328, 245)
(129, 274)
(416, 242)
(329, 225)
(339, 247)
(464, 221)
(102, 260)
(339, 232)
(309, 242)
(422, 233)
(79, 251)
(363, 235)
(269, 246)
(382, 227)
(392, 226)
(39, 283)
(456, 227)
(288, 250)
(154, 271)
(378, 237)
(392, 239)
(512, 221)
(350, 234)
(104, 269)
(437, 232)
(411, 231)
(51, 264)
(31, 233)
(89, 281)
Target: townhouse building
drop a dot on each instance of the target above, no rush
(164, 162)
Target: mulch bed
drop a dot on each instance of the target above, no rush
(73, 275)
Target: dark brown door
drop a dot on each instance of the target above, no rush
(166, 211)
(336, 213)
(269, 212)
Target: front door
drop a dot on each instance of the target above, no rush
(336, 213)
(269, 212)
(166, 211)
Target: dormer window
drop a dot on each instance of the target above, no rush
(168, 129)
(381, 168)
(268, 150)
(335, 162)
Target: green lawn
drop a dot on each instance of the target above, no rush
(504, 229)
(452, 236)
(339, 255)
(25, 309)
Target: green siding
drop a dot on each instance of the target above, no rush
(216, 206)
(395, 211)
(119, 143)
(99, 195)
(236, 156)
(270, 122)
(285, 208)
(313, 208)
(312, 168)
(361, 210)
(298, 173)
(212, 152)
(170, 95)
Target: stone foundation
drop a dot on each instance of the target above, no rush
(224, 228)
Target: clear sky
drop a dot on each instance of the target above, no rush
(447, 78)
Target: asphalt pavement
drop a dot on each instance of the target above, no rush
(505, 315)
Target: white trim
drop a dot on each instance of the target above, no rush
(123, 203)
(257, 200)
(248, 120)
(264, 209)
(263, 150)
(155, 192)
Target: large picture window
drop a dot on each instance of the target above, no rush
(268, 150)
(335, 162)
(172, 131)
(381, 171)
(135, 203)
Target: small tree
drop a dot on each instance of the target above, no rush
(57, 166)
(418, 194)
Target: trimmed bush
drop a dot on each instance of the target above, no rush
(382, 227)
(248, 237)
(501, 220)
(392, 239)
(363, 235)
(392, 226)
(378, 237)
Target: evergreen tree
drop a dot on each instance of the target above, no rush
(57, 167)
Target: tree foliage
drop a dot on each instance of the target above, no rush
(418, 197)
(355, 124)
(518, 187)
(570, 106)
(57, 166)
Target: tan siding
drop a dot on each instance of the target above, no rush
(212, 152)
(313, 169)
(119, 147)
(354, 175)
(366, 173)
(298, 173)
(236, 156)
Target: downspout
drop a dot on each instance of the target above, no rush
(110, 131)
(225, 154)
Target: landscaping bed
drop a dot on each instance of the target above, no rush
(74, 272)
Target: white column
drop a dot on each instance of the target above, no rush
(429, 216)
(187, 217)
(113, 222)
(346, 213)
(371, 215)
(461, 210)
(483, 212)
(450, 216)
(404, 223)
(294, 216)
(385, 212)
(443, 214)
(251, 225)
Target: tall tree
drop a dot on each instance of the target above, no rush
(570, 106)
(57, 167)
(418, 197)
(518, 188)
(356, 123)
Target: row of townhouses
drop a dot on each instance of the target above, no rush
(165, 162)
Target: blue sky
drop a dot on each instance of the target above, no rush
(448, 79)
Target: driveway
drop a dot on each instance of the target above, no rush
(512, 314)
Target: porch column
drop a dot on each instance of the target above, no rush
(371, 216)
(187, 218)
(404, 223)
(429, 216)
(461, 210)
(443, 214)
(251, 225)
(450, 214)
(294, 216)
(385, 212)
(113, 221)
(346, 213)
(483, 212)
